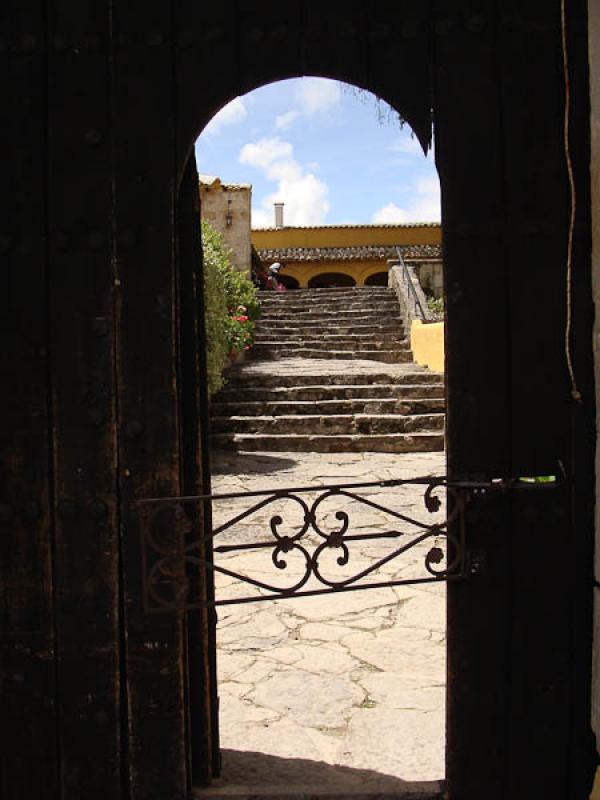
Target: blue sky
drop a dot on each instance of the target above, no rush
(330, 155)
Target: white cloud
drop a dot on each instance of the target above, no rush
(230, 114)
(305, 198)
(312, 96)
(424, 207)
(390, 214)
(304, 195)
(317, 95)
(261, 218)
(284, 120)
(264, 152)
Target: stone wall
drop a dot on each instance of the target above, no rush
(431, 277)
(227, 208)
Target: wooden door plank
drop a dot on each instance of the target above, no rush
(195, 479)
(29, 756)
(333, 44)
(582, 750)
(149, 453)
(536, 193)
(553, 535)
(268, 42)
(536, 196)
(400, 42)
(469, 160)
(206, 35)
(83, 399)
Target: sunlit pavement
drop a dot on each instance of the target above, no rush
(351, 679)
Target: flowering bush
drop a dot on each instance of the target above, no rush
(231, 306)
(239, 331)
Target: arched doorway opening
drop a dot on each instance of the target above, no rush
(377, 279)
(327, 280)
(350, 253)
(289, 282)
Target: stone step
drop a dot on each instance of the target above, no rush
(388, 443)
(306, 300)
(372, 306)
(333, 335)
(348, 424)
(343, 317)
(297, 407)
(266, 352)
(240, 378)
(337, 292)
(300, 394)
(335, 343)
(336, 328)
(352, 406)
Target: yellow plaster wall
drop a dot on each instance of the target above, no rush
(427, 344)
(346, 236)
(359, 270)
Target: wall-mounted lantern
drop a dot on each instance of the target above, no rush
(229, 214)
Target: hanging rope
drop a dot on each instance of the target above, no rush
(575, 393)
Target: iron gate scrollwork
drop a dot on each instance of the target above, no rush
(172, 541)
(173, 544)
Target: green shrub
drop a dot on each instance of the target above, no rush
(240, 293)
(436, 305)
(231, 306)
(215, 308)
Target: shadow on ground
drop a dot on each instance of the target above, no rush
(254, 776)
(224, 463)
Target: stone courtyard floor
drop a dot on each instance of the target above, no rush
(344, 693)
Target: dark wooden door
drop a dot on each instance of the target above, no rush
(512, 700)
(99, 332)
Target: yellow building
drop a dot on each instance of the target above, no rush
(351, 255)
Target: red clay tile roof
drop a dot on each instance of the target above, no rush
(410, 252)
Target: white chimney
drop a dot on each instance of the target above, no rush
(278, 215)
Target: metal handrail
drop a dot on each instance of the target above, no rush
(419, 311)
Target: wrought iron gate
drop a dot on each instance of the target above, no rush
(318, 534)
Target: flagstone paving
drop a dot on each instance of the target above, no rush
(353, 682)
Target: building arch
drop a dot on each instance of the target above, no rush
(289, 282)
(370, 270)
(377, 279)
(326, 279)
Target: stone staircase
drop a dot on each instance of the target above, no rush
(331, 371)
(331, 323)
